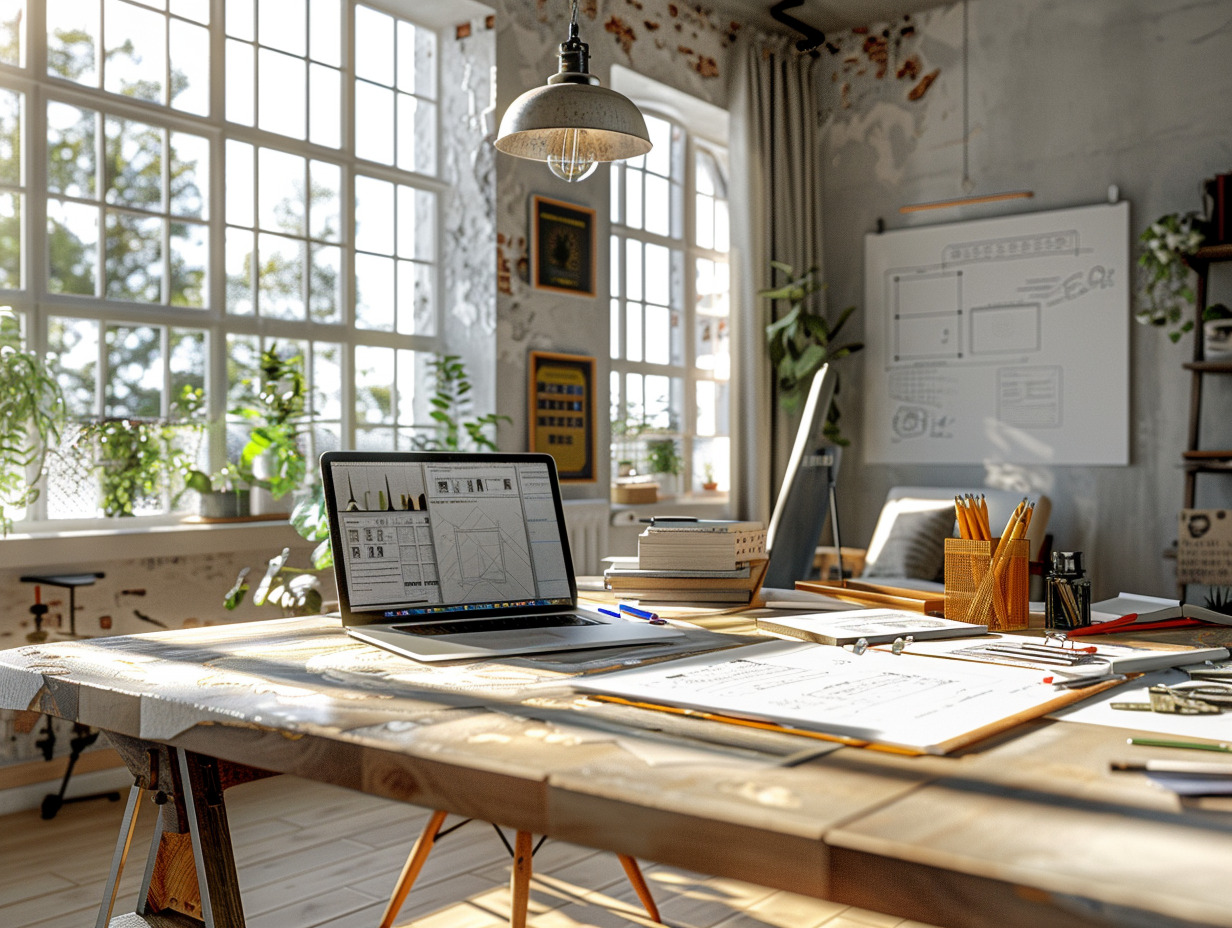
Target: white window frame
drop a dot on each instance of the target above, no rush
(37, 305)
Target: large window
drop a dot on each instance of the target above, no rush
(670, 312)
(167, 215)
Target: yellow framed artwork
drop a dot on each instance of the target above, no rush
(562, 241)
(562, 413)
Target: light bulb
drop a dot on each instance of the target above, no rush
(570, 157)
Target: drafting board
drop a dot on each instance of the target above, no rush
(1000, 340)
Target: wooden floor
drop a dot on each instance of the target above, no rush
(313, 855)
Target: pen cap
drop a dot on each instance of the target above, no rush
(1067, 562)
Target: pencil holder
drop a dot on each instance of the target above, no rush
(971, 595)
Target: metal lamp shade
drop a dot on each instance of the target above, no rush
(606, 124)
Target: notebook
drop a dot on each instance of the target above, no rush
(445, 556)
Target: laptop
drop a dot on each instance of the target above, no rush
(446, 556)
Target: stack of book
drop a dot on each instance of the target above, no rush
(693, 561)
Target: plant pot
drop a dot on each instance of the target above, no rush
(223, 504)
(710, 486)
(264, 503)
(1217, 340)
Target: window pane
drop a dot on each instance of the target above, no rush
(416, 223)
(706, 419)
(658, 335)
(281, 191)
(10, 136)
(282, 87)
(283, 24)
(374, 292)
(135, 40)
(239, 186)
(135, 164)
(614, 329)
(72, 33)
(374, 215)
(658, 275)
(633, 331)
(134, 257)
(659, 158)
(374, 387)
(72, 246)
(190, 255)
(74, 345)
(192, 9)
(658, 205)
(327, 381)
(633, 269)
(324, 30)
(325, 282)
(241, 19)
(374, 33)
(374, 122)
(722, 233)
(133, 384)
(190, 175)
(188, 360)
(280, 278)
(416, 60)
(415, 299)
(240, 79)
(70, 150)
(325, 201)
(190, 68)
(10, 240)
(703, 216)
(325, 92)
(239, 272)
(633, 199)
(416, 138)
(13, 33)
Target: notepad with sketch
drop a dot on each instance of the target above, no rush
(875, 626)
(899, 702)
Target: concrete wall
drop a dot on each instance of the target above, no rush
(1065, 99)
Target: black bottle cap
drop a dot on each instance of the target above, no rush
(1067, 562)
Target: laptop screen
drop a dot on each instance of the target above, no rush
(425, 534)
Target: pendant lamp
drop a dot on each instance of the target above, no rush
(572, 123)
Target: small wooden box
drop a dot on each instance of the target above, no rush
(635, 493)
(966, 564)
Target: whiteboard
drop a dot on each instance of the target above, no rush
(1000, 340)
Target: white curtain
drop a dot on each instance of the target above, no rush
(776, 214)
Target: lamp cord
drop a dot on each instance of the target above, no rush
(573, 12)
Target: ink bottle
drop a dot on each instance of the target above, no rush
(1068, 592)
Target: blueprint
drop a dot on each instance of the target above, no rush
(1000, 340)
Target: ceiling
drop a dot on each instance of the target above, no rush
(826, 15)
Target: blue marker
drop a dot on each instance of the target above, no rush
(651, 617)
(612, 612)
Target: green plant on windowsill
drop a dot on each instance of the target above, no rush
(452, 404)
(802, 340)
(1165, 274)
(32, 413)
(663, 456)
(276, 408)
(137, 458)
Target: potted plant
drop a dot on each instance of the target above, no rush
(272, 459)
(802, 340)
(451, 404)
(221, 495)
(663, 457)
(709, 484)
(138, 458)
(1165, 274)
(1217, 332)
(32, 412)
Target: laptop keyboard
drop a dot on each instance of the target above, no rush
(510, 623)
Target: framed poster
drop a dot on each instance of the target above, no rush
(562, 241)
(562, 413)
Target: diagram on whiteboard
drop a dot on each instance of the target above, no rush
(1001, 340)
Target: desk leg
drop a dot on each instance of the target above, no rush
(519, 883)
(211, 841)
(127, 826)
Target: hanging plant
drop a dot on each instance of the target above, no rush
(32, 412)
(1166, 276)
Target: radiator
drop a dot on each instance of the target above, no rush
(586, 521)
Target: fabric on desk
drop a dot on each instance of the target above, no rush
(914, 540)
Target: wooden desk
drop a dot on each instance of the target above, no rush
(1029, 830)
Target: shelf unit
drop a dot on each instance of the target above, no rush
(1200, 460)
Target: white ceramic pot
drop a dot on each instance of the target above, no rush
(1217, 340)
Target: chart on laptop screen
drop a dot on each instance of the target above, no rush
(421, 534)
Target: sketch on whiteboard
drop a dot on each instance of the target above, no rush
(1002, 339)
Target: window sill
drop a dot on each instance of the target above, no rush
(50, 550)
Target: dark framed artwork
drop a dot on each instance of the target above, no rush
(562, 413)
(562, 241)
